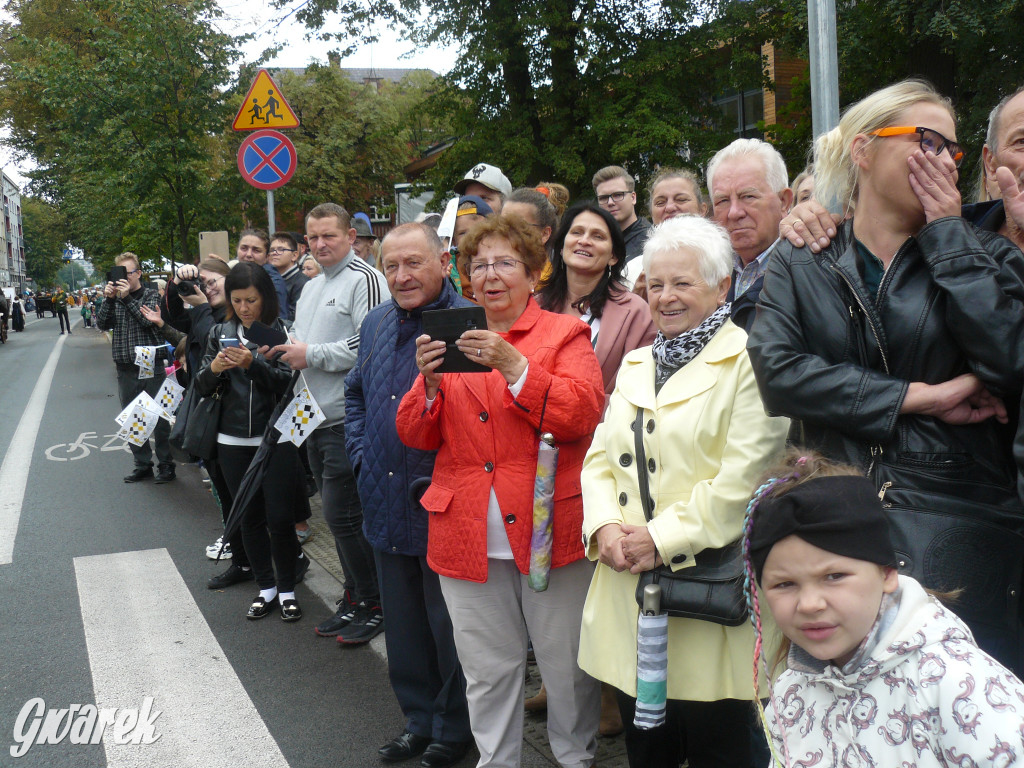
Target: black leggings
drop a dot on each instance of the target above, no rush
(238, 556)
(268, 523)
(709, 734)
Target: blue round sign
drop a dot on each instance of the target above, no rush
(267, 159)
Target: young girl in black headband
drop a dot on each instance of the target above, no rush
(874, 670)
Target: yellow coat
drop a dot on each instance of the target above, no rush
(710, 441)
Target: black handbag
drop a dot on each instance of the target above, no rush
(200, 436)
(948, 531)
(711, 590)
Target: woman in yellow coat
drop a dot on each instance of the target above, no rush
(707, 440)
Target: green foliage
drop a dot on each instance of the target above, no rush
(45, 234)
(116, 101)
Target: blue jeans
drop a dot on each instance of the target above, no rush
(344, 514)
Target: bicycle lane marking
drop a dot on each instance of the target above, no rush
(18, 461)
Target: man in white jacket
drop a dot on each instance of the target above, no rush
(326, 341)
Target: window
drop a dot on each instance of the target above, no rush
(742, 112)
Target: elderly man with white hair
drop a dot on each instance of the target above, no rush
(750, 195)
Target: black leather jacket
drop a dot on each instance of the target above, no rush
(839, 362)
(250, 395)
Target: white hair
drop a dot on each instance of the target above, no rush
(774, 166)
(691, 232)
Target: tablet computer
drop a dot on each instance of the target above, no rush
(447, 325)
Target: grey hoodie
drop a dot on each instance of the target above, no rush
(329, 314)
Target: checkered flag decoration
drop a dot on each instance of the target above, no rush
(138, 420)
(145, 358)
(169, 397)
(301, 416)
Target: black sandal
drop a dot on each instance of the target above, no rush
(260, 607)
(290, 610)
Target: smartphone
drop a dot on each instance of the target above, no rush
(264, 336)
(117, 273)
(448, 325)
(230, 343)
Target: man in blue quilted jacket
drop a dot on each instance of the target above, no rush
(422, 662)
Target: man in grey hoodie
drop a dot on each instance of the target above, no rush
(326, 342)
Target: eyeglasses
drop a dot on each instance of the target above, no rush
(135, 272)
(930, 141)
(616, 197)
(502, 267)
(275, 251)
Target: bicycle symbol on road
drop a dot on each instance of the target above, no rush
(80, 448)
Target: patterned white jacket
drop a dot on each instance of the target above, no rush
(919, 693)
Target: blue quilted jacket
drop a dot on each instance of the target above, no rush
(391, 477)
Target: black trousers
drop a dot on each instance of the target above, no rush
(268, 522)
(65, 322)
(709, 734)
(238, 556)
(423, 665)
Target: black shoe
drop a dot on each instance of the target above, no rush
(290, 610)
(235, 574)
(301, 566)
(260, 607)
(140, 473)
(165, 475)
(441, 754)
(367, 624)
(403, 747)
(345, 613)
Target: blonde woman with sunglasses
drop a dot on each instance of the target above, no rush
(897, 346)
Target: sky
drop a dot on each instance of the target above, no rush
(259, 18)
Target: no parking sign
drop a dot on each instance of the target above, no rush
(267, 159)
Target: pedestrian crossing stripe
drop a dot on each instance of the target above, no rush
(264, 106)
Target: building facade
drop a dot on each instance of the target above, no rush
(12, 243)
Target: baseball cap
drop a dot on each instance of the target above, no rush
(489, 176)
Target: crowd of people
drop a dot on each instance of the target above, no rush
(821, 376)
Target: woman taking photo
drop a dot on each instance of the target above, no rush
(250, 386)
(485, 428)
(706, 440)
(894, 348)
(588, 254)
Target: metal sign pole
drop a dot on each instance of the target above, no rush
(821, 26)
(271, 226)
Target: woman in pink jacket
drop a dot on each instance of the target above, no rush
(485, 427)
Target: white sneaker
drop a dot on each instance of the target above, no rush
(214, 549)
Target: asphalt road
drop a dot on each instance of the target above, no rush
(106, 613)
(105, 603)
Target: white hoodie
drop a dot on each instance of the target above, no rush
(918, 693)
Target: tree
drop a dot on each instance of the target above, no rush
(556, 90)
(45, 233)
(119, 103)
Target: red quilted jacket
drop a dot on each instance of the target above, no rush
(486, 438)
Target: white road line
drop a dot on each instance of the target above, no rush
(18, 461)
(146, 637)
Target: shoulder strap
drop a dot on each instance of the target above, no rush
(641, 464)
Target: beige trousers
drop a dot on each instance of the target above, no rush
(492, 622)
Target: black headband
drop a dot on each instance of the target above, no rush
(840, 514)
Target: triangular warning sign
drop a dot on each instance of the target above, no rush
(264, 106)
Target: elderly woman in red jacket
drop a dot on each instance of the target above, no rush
(485, 428)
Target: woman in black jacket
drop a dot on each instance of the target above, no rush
(897, 346)
(250, 386)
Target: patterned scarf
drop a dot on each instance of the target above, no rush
(672, 354)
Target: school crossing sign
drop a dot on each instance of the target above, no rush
(264, 106)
